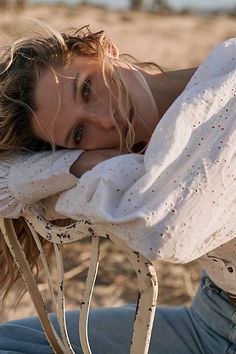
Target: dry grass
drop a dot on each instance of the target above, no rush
(173, 42)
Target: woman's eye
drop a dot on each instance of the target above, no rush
(86, 90)
(78, 134)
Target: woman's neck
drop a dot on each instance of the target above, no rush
(167, 86)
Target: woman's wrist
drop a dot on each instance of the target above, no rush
(88, 159)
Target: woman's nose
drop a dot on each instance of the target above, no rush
(104, 120)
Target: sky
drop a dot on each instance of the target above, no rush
(177, 4)
(203, 4)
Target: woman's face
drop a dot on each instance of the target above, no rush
(76, 110)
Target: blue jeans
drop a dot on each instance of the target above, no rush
(207, 327)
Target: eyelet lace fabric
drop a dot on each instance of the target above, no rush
(177, 202)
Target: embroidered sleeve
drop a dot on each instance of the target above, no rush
(28, 178)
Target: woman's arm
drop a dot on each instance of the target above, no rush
(27, 179)
(89, 159)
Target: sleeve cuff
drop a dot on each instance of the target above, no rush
(33, 177)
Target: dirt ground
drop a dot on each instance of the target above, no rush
(172, 41)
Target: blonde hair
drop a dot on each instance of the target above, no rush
(10, 274)
(21, 65)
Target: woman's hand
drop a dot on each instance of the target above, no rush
(89, 159)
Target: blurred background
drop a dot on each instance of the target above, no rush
(174, 34)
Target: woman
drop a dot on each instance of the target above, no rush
(81, 95)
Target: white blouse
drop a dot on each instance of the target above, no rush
(177, 202)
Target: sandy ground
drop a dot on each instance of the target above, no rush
(172, 42)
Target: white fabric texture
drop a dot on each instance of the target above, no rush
(26, 179)
(178, 201)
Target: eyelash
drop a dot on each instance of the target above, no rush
(85, 91)
(79, 134)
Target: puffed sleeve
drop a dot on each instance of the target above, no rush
(28, 178)
(178, 201)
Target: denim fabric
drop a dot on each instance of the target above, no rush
(207, 327)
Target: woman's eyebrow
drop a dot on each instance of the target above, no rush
(75, 86)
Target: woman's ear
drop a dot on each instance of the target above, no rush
(113, 51)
